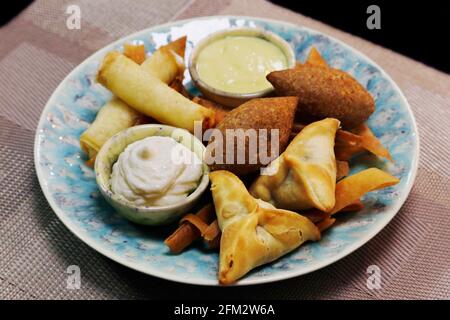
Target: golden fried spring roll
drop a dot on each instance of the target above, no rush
(167, 62)
(149, 95)
(113, 117)
(116, 115)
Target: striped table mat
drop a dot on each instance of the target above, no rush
(37, 51)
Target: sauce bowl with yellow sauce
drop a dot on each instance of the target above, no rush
(152, 174)
(230, 66)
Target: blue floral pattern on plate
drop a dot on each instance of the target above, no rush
(69, 185)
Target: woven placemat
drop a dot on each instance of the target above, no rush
(37, 52)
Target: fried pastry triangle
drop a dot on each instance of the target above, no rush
(253, 232)
(304, 176)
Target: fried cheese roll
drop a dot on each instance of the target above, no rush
(149, 95)
(112, 118)
(166, 64)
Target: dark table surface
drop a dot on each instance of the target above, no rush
(416, 29)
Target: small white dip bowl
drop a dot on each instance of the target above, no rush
(231, 99)
(147, 215)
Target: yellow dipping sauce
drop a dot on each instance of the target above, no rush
(239, 64)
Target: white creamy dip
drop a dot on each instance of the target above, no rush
(156, 171)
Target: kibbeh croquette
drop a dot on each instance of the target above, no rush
(325, 93)
(264, 113)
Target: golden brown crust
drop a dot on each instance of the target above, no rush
(178, 46)
(252, 234)
(265, 113)
(352, 188)
(112, 118)
(325, 93)
(219, 110)
(149, 95)
(315, 58)
(304, 176)
(342, 169)
(188, 232)
(107, 61)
